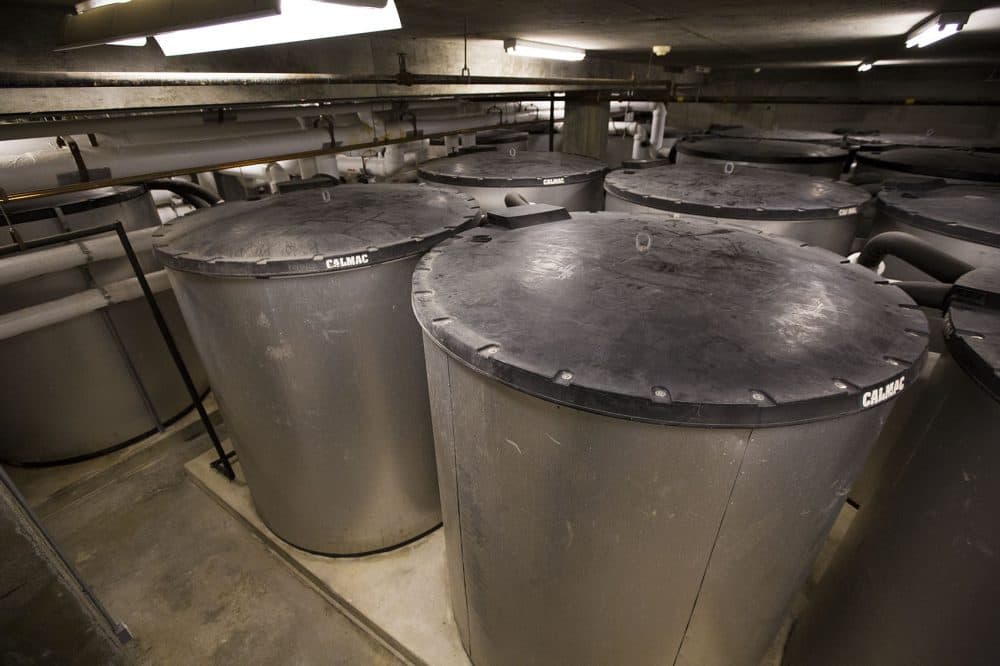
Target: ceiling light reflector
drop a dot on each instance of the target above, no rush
(936, 28)
(522, 47)
(299, 21)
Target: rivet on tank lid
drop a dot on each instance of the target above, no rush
(488, 350)
(839, 383)
(563, 377)
(441, 321)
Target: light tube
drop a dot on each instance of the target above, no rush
(937, 28)
(299, 20)
(521, 47)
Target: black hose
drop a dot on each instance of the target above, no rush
(928, 294)
(515, 199)
(195, 195)
(914, 251)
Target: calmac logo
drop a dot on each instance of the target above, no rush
(882, 393)
(347, 262)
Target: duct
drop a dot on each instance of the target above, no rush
(63, 309)
(42, 262)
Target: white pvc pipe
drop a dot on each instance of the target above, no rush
(658, 125)
(49, 260)
(39, 316)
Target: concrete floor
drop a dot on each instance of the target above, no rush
(193, 585)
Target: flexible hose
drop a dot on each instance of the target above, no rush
(515, 199)
(914, 251)
(195, 195)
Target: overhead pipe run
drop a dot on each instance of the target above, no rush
(271, 136)
(38, 173)
(53, 79)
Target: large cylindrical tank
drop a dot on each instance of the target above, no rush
(814, 210)
(644, 428)
(559, 179)
(956, 166)
(299, 305)
(97, 382)
(808, 158)
(962, 220)
(916, 579)
(503, 139)
(806, 136)
(879, 141)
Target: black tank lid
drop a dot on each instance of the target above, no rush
(763, 151)
(740, 192)
(314, 231)
(937, 163)
(972, 326)
(884, 141)
(968, 212)
(670, 320)
(500, 168)
(782, 135)
(31, 210)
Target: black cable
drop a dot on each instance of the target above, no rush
(193, 194)
(914, 251)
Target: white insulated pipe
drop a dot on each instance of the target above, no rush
(658, 125)
(39, 316)
(42, 169)
(49, 260)
(636, 130)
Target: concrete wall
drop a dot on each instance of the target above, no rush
(968, 99)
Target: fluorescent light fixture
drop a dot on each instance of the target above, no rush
(866, 66)
(136, 41)
(936, 28)
(522, 47)
(299, 21)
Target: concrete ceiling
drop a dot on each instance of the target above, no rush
(711, 32)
